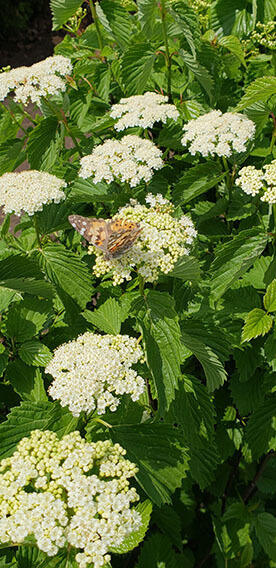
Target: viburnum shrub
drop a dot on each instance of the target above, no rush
(138, 290)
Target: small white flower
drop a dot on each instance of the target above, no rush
(218, 134)
(250, 180)
(38, 80)
(162, 241)
(29, 191)
(142, 110)
(89, 512)
(263, 182)
(93, 371)
(131, 160)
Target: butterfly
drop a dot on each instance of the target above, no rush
(113, 236)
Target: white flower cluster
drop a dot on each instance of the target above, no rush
(142, 110)
(253, 181)
(131, 159)
(162, 241)
(93, 370)
(48, 494)
(39, 80)
(218, 134)
(29, 191)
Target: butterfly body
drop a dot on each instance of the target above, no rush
(113, 237)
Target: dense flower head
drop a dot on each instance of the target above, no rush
(142, 110)
(67, 492)
(162, 241)
(131, 159)
(265, 35)
(29, 190)
(39, 80)
(218, 134)
(263, 182)
(93, 371)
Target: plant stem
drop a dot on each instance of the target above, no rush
(61, 116)
(168, 57)
(230, 481)
(252, 487)
(96, 22)
(228, 177)
(7, 109)
(37, 230)
(274, 62)
(102, 422)
(141, 284)
(273, 135)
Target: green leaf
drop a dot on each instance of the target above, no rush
(62, 10)
(186, 268)
(147, 14)
(160, 453)
(137, 65)
(260, 90)
(27, 318)
(256, 323)
(29, 556)
(131, 541)
(4, 358)
(247, 396)
(261, 428)
(197, 180)
(118, 21)
(213, 368)
(107, 317)
(234, 45)
(30, 416)
(169, 523)
(234, 258)
(35, 353)
(20, 273)
(231, 17)
(193, 411)
(201, 73)
(265, 527)
(12, 154)
(203, 464)
(161, 336)
(270, 297)
(68, 273)
(42, 145)
(54, 217)
(157, 551)
(187, 21)
(84, 190)
(26, 381)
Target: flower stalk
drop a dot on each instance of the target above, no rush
(96, 22)
(165, 36)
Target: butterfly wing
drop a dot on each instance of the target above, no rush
(93, 230)
(121, 236)
(112, 237)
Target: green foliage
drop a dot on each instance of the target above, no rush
(203, 433)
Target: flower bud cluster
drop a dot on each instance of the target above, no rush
(29, 190)
(93, 371)
(131, 160)
(68, 492)
(162, 241)
(142, 110)
(39, 80)
(218, 134)
(263, 182)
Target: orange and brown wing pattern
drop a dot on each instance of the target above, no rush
(93, 230)
(121, 236)
(113, 237)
